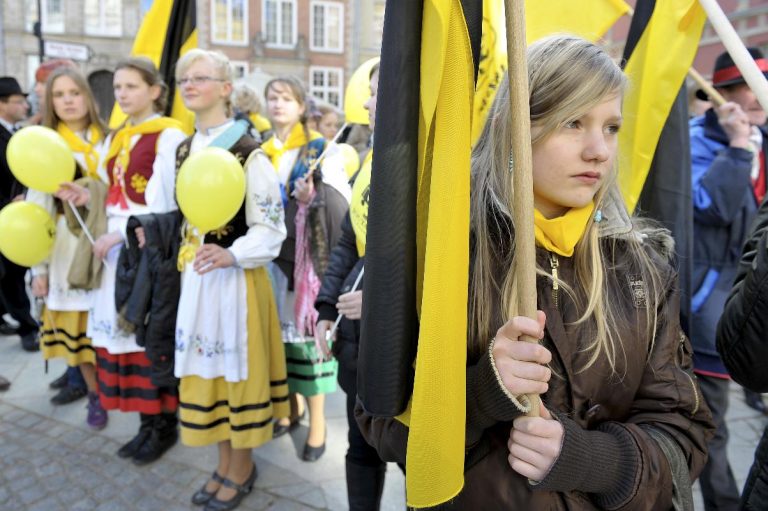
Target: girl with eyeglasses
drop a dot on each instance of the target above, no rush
(229, 352)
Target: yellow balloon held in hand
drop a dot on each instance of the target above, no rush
(27, 233)
(351, 159)
(210, 188)
(40, 158)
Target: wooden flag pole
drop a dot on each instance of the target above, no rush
(714, 96)
(521, 167)
(741, 57)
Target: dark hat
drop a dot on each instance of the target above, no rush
(726, 73)
(10, 87)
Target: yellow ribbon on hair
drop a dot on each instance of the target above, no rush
(188, 248)
(121, 141)
(78, 145)
(560, 235)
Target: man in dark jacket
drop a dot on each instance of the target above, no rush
(743, 345)
(728, 148)
(13, 109)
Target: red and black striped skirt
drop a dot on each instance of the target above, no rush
(125, 384)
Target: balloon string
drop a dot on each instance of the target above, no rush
(82, 223)
(50, 317)
(85, 229)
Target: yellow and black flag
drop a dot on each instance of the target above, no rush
(168, 31)
(589, 19)
(413, 349)
(665, 190)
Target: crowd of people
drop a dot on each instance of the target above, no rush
(230, 336)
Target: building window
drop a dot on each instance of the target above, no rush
(52, 15)
(327, 27)
(326, 83)
(239, 69)
(229, 20)
(279, 23)
(104, 17)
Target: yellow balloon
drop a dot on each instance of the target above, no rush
(351, 159)
(27, 233)
(40, 158)
(357, 93)
(210, 188)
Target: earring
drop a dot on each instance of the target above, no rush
(598, 216)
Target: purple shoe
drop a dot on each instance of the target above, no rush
(97, 416)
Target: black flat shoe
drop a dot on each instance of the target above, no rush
(242, 490)
(69, 395)
(60, 382)
(314, 453)
(129, 449)
(279, 430)
(202, 496)
(754, 400)
(6, 329)
(29, 342)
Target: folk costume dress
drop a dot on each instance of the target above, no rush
(229, 353)
(294, 277)
(140, 169)
(65, 315)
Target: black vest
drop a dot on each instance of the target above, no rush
(236, 227)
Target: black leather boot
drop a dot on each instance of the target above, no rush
(129, 449)
(163, 435)
(365, 484)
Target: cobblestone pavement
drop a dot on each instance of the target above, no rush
(50, 461)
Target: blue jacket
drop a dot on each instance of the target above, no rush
(724, 206)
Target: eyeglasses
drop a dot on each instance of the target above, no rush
(199, 80)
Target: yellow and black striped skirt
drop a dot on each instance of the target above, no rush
(63, 336)
(215, 410)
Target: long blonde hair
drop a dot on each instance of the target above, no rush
(567, 77)
(51, 119)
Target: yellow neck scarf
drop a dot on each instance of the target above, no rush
(560, 235)
(358, 209)
(78, 145)
(295, 140)
(121, 141)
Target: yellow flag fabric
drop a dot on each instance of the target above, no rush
(656, 70)
(590, 19)
(149, 42)
(79, 145)
(435, 454)
(358, 208)
(560, 234)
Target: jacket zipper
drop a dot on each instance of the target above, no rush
(554, 262)
(681, 348)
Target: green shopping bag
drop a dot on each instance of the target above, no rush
(307, 376)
